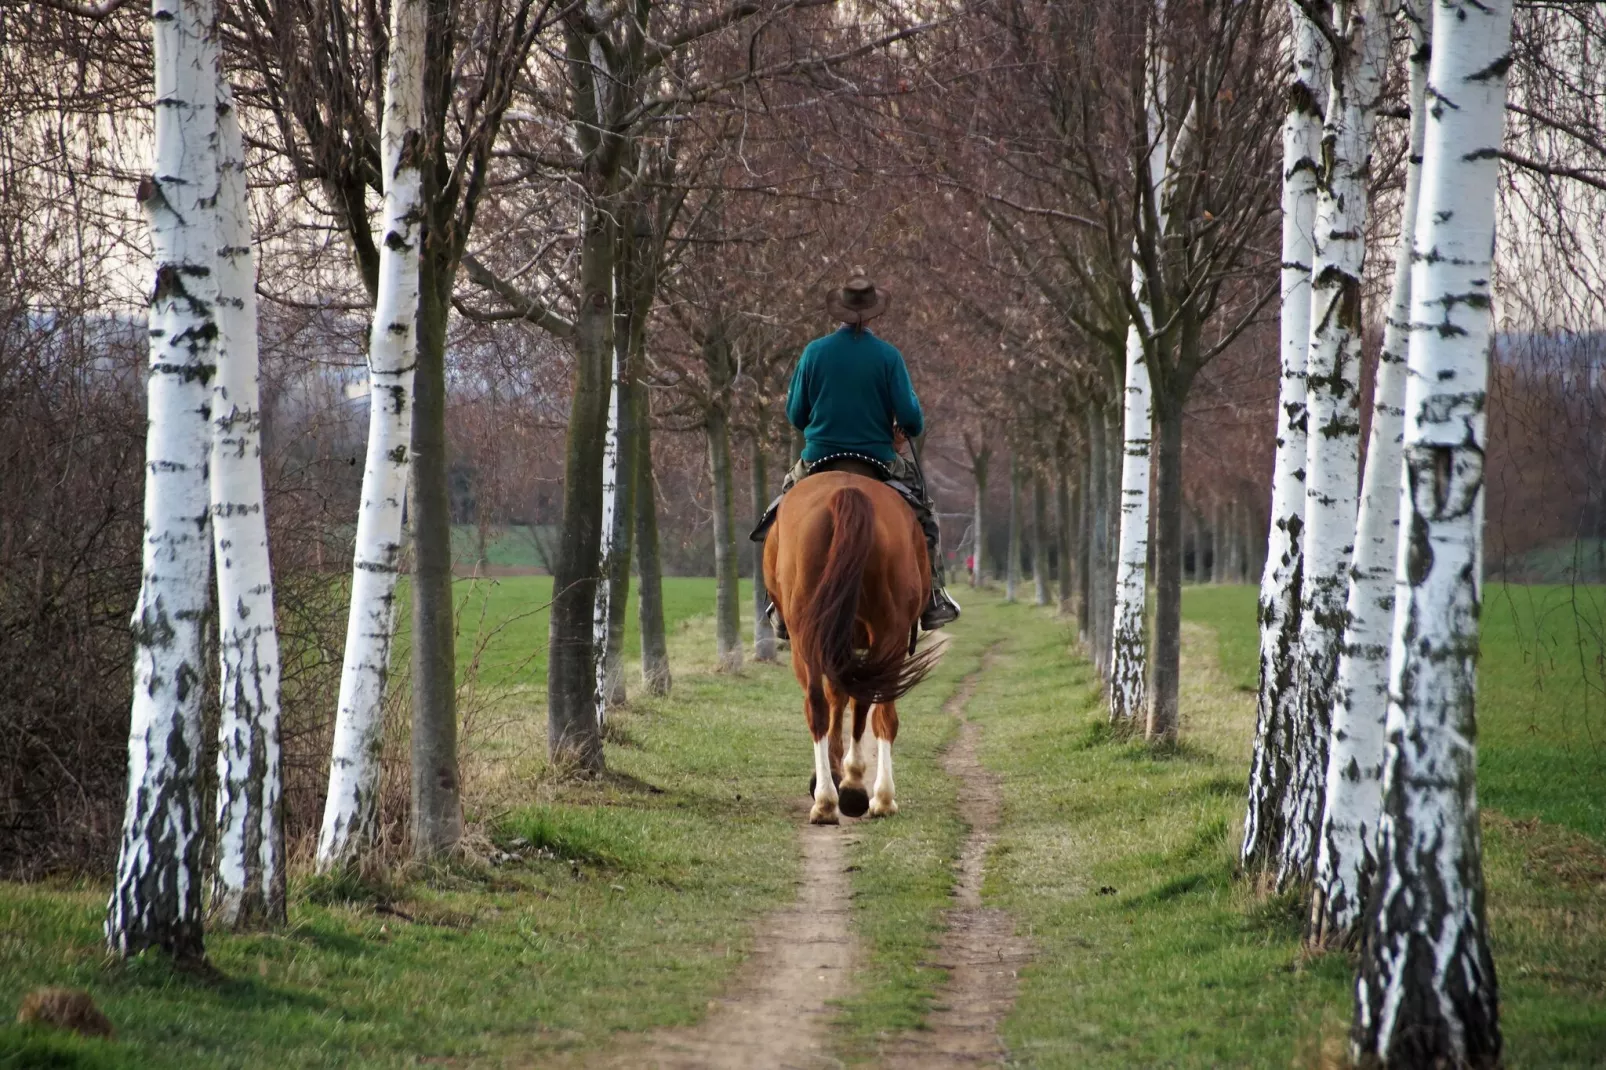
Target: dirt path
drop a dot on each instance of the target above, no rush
(980, 949)
(775, 1014)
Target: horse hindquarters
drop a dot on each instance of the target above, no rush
(823, 629)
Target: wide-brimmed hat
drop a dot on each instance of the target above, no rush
(859, 301)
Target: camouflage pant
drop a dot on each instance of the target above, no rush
(904, 477)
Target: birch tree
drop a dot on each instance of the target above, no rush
(1129, 638)
(156, 893)
(1345, 859)
(616, 470)
(1426, 991)
(1129, 630)
(249, 886)
(1332, 455)
(352, 803)
(1282, 579)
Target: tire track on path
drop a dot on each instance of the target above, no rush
(775, 1012)
(980, 948)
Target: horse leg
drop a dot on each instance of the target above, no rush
(854, 799)
(884, 722)
(818, 710)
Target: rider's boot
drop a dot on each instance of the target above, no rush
(941, 608)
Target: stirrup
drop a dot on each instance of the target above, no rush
(941, 610)
(776, 623)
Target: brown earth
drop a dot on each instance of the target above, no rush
(776, 1013)
(980, 948)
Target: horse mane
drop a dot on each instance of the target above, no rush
(823, 625)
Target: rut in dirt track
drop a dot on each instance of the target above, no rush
(775, 1014)
(980, 947)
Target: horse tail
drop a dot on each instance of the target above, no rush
(824, 626)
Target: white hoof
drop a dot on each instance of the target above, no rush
(824, 814)
(880, 807)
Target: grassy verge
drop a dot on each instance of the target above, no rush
(624, 905)
(1119, 862)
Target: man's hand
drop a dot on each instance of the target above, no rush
(899, 439)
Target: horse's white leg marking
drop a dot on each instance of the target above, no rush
(882, 803)
(825, 797)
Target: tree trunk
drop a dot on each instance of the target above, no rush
(1012, 563)
(727, 576)
(1098, 551)
(1084, 547)
(351, 807)
(1129, 626)
(978, 572)
(1426, 994)
(156, 895)
(573, 736)
(1040, 539)
(1190, 542)
(618, 487)
(1114, 433)
(437, 793)
(1282, 577)
(1166, 657)
(624, 524)
(1333, 398)
(649, 570)
(1065, 530)
(249, 885)
(764, 642)
(1345, 860)
(1229, 538)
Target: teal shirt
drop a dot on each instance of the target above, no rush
(847, 391)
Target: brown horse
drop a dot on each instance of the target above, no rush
(846, 564)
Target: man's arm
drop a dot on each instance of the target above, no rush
(905, 406)
(799, 406)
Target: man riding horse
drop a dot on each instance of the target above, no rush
(852, 399)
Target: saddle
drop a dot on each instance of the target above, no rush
(853, 463)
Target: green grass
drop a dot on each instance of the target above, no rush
(503, 624)
(632, 904)
(631, 901)
(1541, 694)
(510, 546)
(1119, 862)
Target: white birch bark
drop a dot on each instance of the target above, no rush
(1345, 861)
(1129, 629)
(351, 807)
(1281, 578)
(156, 895)
(1332, 378)
(1128, 642)
(1426, 991)
(611, 532)
(249, 885)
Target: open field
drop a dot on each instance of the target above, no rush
(627, 905)
(1541, 694)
